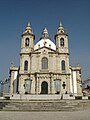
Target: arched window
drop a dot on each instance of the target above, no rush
(27, 42)
(26, 65)
(62, 42)
(63, 65)
(44, 63)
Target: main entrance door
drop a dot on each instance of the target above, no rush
(44, 88)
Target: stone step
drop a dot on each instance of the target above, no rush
(45, 105)
(37, 104)
(38, 109)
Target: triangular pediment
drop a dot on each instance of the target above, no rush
(44, 48)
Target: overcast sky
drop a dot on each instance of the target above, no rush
(74, 15)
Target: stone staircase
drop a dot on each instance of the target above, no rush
(44, 105)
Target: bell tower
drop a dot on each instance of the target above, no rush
(28, 37)
(27, 47)
(61, 39)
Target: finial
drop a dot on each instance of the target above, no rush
(45, 32)
(60, 24)
(78, 65)
(29, 24)
(12, 65)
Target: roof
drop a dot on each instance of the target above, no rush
(45, 41)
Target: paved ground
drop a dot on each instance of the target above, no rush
(77, 115)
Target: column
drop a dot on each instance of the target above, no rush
(37, 86)
(52, 90)
(11, 83)
(68, 83)
(50, 84)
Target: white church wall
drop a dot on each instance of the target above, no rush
(15, 74)
(74, 82)
(71, 87)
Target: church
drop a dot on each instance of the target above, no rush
(44, 67)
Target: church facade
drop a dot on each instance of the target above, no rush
(44, 66)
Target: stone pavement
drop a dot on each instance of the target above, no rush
(75, 115)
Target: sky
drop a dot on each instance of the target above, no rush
(74, 15)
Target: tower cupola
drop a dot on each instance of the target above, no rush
(28, 27)
(45, 34)
(28, 31)
(61, 30)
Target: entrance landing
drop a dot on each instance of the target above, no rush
(36, 97)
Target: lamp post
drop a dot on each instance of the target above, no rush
(2, 85)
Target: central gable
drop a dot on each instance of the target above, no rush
(44, 50)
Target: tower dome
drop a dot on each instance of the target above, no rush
(61, 29)
(28, 30)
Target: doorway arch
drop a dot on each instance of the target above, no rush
(44, 88)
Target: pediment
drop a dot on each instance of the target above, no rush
(44, 50)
